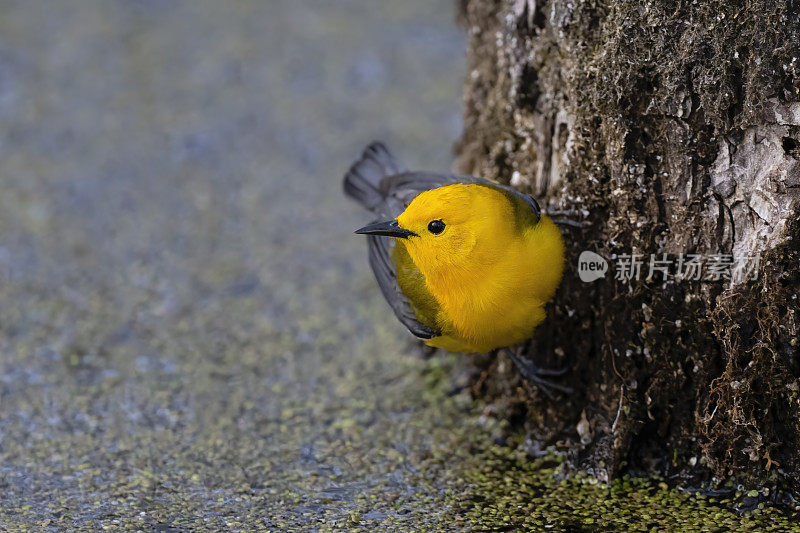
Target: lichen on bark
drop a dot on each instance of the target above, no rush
(672, 128)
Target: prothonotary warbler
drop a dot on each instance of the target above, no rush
(473, 262)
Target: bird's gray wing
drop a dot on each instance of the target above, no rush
(397, 191)
(384, 269)
(362, 183)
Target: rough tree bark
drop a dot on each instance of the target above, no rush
(674, 128)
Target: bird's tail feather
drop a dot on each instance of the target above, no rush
(362, 181)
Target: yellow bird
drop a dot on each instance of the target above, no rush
(473, 262)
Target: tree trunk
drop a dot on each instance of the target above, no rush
(670, 128)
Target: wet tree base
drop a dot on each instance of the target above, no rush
(669, 129)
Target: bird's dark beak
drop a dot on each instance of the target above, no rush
(390, 228)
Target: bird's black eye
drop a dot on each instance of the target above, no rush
(436, 227)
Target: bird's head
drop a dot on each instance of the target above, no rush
(459, 228)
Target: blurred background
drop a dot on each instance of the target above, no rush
(189, 332)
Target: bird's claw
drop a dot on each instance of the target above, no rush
(570, 222)
(534, 374)
(549, 371)
(566, 218)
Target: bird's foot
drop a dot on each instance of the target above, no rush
(534, 374)
(565, 218)
(570, 222)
